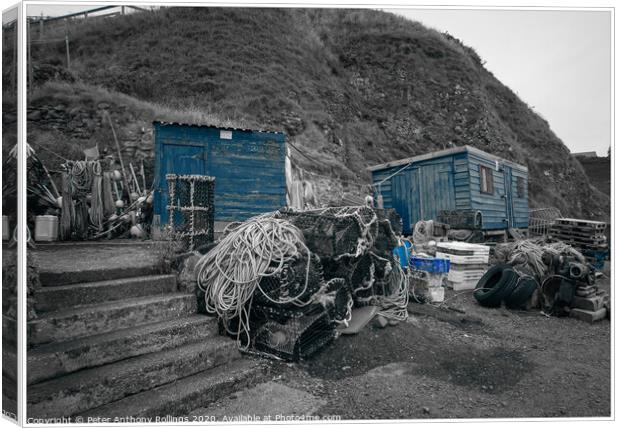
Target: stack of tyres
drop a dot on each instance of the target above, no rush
(501, 284)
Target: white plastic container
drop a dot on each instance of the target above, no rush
(46, 228)
(5, 228)
(436, 294)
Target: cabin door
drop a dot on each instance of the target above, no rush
(436, 189)
(508, 197)
(404, 198)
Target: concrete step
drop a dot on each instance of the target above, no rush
(59, 326)
(179, 398)
(90, 388)
(52, 278)
(69, 296)
(9, 359)
(9, 397)
(56, 359)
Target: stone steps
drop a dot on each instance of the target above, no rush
(179, 398)
(74, 295)
(72, 323)
(56, 278)
(123, 341)
(86, 389)
(57, 359)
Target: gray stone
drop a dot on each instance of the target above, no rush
(56, 359)
(87, 320)
(180, 397)
(56, 298)
(87, 389)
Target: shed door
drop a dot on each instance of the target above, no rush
(508, 196)
(436, 184)
(404, 199)
(178, 159)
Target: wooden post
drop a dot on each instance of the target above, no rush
(122, 10)
(67, 45)
(14, 69)
(41, 27)
(29, 53)
(120, 155)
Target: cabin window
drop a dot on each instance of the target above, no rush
(520, 187)
(486, 180)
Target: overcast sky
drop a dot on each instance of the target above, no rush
(558, 62)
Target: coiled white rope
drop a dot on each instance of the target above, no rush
(394, 305)
(231, 272)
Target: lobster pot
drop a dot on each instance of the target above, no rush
(461, 219)
(46, 228)
(191, 209)
(5, 228)
(296, 339)
(468, 262)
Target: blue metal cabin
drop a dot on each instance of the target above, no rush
(248, 166)
(454, 179)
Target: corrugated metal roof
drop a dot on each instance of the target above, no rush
(216, 127)
(441, 153)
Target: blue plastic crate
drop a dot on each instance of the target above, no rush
(430, 264)
(403, 253)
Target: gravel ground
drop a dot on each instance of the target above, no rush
(441, 363)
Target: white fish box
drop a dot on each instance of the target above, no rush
(462, 285)
(465, 276)
(462, 248)
(459, 259)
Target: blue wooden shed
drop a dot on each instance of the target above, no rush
(461, 178)
(248, 166)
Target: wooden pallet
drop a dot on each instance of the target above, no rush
(599, 225)
(586, 241)
(577, 232)
(586, 247)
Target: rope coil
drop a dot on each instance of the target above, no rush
(230, 273)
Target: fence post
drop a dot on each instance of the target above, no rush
(67, 45)
(29, 53)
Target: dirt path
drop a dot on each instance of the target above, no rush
(447, 364)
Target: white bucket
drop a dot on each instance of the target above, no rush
(5, 228)
(436, 294)
(46, 228)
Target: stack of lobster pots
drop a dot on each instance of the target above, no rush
(468, 262)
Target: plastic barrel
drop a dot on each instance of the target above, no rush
(46, 228)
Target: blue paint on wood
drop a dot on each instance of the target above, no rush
(452, 181)
(248, 166)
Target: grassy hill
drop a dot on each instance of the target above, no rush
(351, 88)
(598, 170)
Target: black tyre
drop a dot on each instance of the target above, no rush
(495, 285)
(522, 292)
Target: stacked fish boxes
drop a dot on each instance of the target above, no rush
(468, 262)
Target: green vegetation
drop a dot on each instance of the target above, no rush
(351, 88)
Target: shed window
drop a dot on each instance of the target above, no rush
(520, 187)
(486, 180)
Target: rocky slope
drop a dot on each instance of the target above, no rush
(350, 88)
